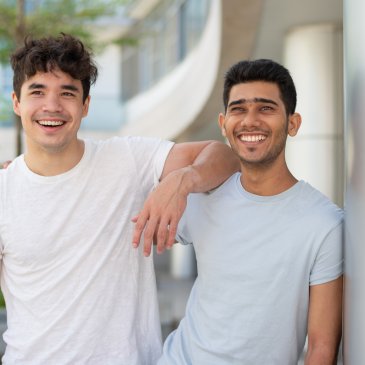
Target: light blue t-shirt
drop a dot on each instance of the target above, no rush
(257, 257)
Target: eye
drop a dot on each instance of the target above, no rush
(237, 109)
(267, 108)
(68, 94)
(36, 92)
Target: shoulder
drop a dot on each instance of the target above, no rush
(106, 143)
(231, 186)
(226, 193)
(110, 147)
(320, 206)
(15, 165)
(133, 143)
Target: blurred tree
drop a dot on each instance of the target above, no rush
(5, 110)
(37, 18)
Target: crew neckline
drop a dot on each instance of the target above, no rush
(60, 177)
(268, 198)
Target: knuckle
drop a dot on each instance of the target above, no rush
(173, 228)
(148, 234)
(139, 226)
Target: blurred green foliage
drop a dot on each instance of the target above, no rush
(5, 110)
(20, 18)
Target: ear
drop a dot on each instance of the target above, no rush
(221, 119)
(85, 107)
(295, 120)
(16, 104)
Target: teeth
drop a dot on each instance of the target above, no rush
(256, 138)
(52, 123)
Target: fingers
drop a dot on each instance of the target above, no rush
(140, 223)
(166, 235)
(172, 234)
(161, 233)
(158, 219)
(149, 232)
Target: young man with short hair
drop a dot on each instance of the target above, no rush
(268, 247)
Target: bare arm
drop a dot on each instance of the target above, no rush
(190, 168)
(324, 323)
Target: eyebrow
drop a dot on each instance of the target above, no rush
(63, 87)
(36, 86)
(254, 100)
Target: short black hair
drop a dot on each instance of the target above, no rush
(262, 70)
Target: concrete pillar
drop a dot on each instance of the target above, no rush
(313, 55)
(354, 316)
(183, 264)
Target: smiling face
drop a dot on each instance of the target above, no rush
(256, 124)
(51, 109)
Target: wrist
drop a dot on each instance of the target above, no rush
(189, 179)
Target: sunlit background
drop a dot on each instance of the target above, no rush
(161, 70)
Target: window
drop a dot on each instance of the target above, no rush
(165, 38)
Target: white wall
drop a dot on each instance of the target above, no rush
(279, 16)
(313, 55)
(354, 334)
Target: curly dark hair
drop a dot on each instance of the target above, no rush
(64, 52)
(262, 70)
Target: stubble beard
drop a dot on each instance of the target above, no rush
(271, 156)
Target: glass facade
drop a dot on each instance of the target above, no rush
(6, 88)
(164, 38)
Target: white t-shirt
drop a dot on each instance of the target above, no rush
(257, 257)
(76, 290)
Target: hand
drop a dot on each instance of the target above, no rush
(5, 164)
(161, 213)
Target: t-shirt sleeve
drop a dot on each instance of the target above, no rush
(150, 156)
(328, 264)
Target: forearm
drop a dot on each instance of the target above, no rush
(214, 164)
(321, 355)
(190, 168)
(324, 323)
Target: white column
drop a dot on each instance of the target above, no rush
(354, 318)
(313, 55)
(183, 264)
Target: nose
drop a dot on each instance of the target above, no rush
(250, 119)
(52, 103)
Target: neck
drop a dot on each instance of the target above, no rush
(51, 163)
(267, 180)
